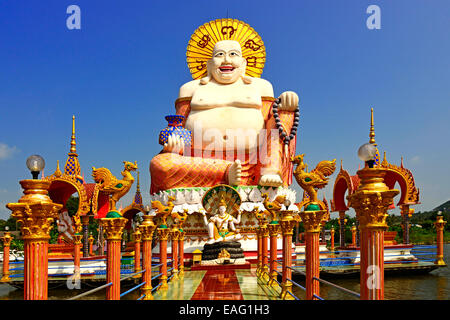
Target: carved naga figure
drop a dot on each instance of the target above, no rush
(108, 183)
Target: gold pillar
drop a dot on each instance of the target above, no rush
(91, 245)
(332, 239)
(287, 224)
(137, 252)
(406, 213)
(312, 220)
(77, 256)
(85, 224)
(35, 212)
(147, 228)
(6, 239)
(174, 236)
(342, 221)
(181, 249)
(353, 230)
(439, 224)
(274, 230)
(163, 234)
(371, 202)
(113, 230)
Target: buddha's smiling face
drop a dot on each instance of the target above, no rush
(227, 64)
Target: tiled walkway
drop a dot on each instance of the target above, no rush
(218, 285)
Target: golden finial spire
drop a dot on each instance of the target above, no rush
(138, 188)
(401, 162)
(342, 168)
(372, 129)
(73, 144)
(72, 166)
(58, 172)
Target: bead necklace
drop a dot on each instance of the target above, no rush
(284, 136)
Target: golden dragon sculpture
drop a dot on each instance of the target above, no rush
(273, 207)
(315, 179)
(163, 211)
(179, 219)
(108, 183)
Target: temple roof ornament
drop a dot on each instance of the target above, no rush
(395, 174)
(63, 185)
(135, 207)
(201, 44)
(72, 166)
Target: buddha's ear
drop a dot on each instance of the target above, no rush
(246, 79)
(206, 79)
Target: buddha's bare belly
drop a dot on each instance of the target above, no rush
(225, 128)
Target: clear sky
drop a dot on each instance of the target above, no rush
(120, 75)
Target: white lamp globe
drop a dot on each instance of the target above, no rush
(367, 152)
(35, 163)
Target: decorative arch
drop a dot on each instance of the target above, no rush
(62, 187)
(344, 182)
(409, 194)
(130, 212)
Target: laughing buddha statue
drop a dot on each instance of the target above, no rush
(240, 134)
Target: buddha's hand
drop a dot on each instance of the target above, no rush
(174, 144)
(270, 180)
(289, 101)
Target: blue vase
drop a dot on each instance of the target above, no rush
(175, 127)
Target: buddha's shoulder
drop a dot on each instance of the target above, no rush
(188, 89)
(264, 86)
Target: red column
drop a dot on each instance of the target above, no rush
(259, 252)
(439, 224)
(36, 270)
(163, 234)
(342, 221)
(77, 255)
(147, 228)
(113, 229)
(91, 245)
(353, 229)
(174, 236)
(6, 239)
(313, 218)
(35, 212)
(371, 201)
(264, 252)
(273, 232)
(312, 265)
(332, 239)
(287, 225)
(137, 252)
(181, 248)
(372, 264)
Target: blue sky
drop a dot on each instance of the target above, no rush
(120, 75)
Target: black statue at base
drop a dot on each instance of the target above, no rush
(212, 251)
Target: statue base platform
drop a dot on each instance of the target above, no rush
(219, 267)
(230, 250)
(223, 255)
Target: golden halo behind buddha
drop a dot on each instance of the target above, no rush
(201, 45)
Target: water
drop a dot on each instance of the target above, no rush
(430, 286)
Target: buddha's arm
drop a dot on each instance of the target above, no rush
(237, 220)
